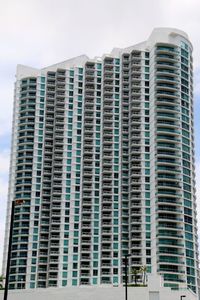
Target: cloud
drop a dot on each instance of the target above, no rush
(4, 161)
(6, 100)
(197, 84)
(2, 231)
(198, 194)
(44, 32)
(4, 192)
(4, 168)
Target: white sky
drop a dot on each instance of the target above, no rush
(42, 32)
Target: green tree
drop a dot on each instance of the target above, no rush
(143, 270)
(1, 282)
(135, 273)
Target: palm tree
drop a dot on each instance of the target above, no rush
(1, 282)
(143, 270)
(135, 272)
(145, 274)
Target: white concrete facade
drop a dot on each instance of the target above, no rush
(154, 291)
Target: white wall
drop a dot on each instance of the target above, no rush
(154, 291)
(101, 293)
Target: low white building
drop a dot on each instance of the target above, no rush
(154, 291)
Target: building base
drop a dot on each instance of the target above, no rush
(154, 291)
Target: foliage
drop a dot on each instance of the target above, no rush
(143, 270)
(1, 282)
(136, 271)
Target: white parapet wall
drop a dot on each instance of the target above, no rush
(154, 291)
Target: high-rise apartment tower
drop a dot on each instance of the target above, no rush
(103, 157)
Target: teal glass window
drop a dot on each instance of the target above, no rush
(75, 257)
(189, 244)
(74, 282)
(33, 269)
(115, 246)
(32, 276)
(64, 282)
(148, 235)
(148, 219)
(115, 229)
(148, 226)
